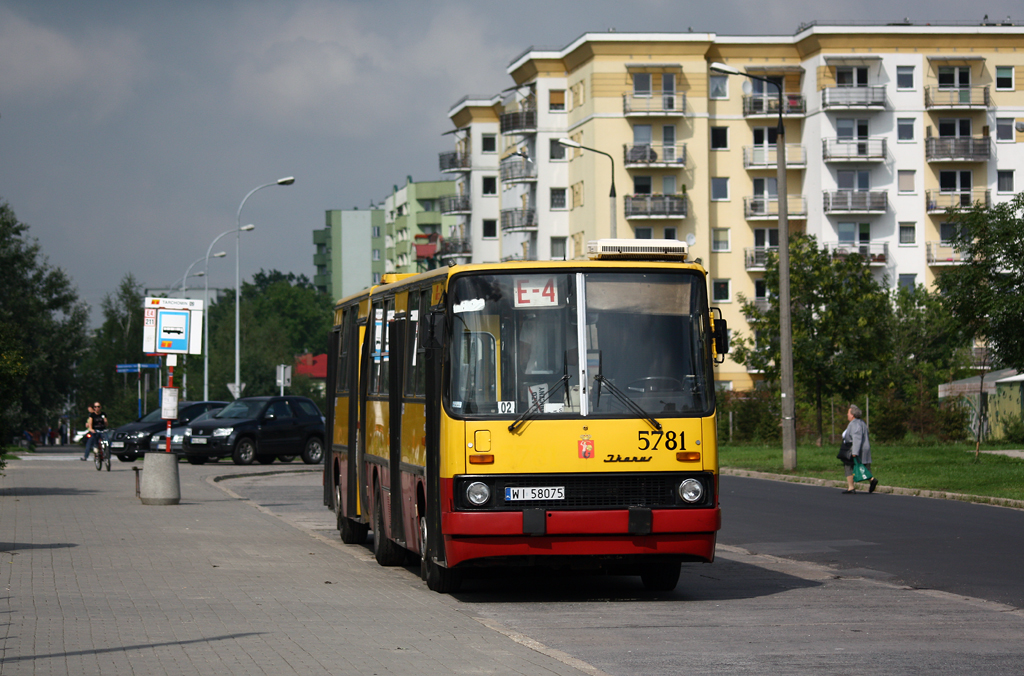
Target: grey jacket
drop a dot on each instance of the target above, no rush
(857, 434)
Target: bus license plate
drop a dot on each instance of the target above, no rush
(117, 444)
(198, 440)
(534, 493)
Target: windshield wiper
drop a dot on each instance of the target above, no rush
(628, 402)
(540, 401)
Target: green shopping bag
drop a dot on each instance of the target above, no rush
(860, 472)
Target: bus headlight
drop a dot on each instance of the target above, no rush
(478, 493)
(691, 491)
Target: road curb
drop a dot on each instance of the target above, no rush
(895, 490)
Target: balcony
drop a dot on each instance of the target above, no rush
(455, 247)
(942, 253)
(518, 170)
(321, 259)
(853, 98)
(755, 258)
(856, 201)
(654, 155)
(655, 206)
(454, 161)
(766, 208)
(523, 122)
(518, 220)
(875, 253)
(853, 150)
(655, 104)
(766, 157)
(957, 149)
(938, 201)
(455, 204)
(953, 98)
(767, 105)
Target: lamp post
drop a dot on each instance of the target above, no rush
(785, 307)
(288, 180)
(206, 309)
(569, 143)
(188, 273)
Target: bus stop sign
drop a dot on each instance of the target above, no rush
(172, 326)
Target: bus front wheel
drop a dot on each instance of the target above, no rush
(438, 578)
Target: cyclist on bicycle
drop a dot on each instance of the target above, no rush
(96, 423)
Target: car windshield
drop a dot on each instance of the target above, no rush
(152, 416)
(516, 337)
(239, 409)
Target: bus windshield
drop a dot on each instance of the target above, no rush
(516, 344)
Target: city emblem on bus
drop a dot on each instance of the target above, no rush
(586, 446)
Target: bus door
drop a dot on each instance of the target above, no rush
(434, 347)
(396, 342)
(349, 371)
(333, 385)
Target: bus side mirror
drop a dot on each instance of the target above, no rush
(721, 334)
(435, 331)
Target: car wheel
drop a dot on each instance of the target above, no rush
(438, 578)
(386, 551)
(245, 452)
(125, 457)
(660, 576)
(265, 459)
(197, 459)
(313, 453)
(287, 458)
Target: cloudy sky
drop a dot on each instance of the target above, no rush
(131, 131)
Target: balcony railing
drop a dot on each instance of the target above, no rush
(756, 257)
(856, 201)
(766, 157)
(657, 103)
(939, 201)
(516, 220)
(454, 161)
(942, 253)
(853, 150)
(768, 104)
(875, 253)
(655, 206)
(518, 170)
(455, 204)
(522, 121)
(654, 155)
(956, 97)
(957, 149)
(766, 208)
(455, 247)
(853, 97)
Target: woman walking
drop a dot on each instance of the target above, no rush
(860, 448)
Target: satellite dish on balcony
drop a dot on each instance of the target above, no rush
(748, 88)
(1019, 126)
(691, 240)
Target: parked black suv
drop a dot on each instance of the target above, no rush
(258, 428)
(129, 442)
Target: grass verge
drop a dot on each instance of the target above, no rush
(950, 468)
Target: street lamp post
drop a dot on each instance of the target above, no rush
(206, 310)
(188, 273)
(288, 180)
(569, 143)
(785, 307)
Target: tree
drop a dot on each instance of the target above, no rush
(839, 318)
(43, 334)
(986, 293)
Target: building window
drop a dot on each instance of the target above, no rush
(904, 77)
(852, 76)
(719, 138)
(376, 254)
(760, 289)
(644, 233)
(720, 290)
(720, 239)
(720, 189)
(668, 233)
(556, 151)
(376, 231)
(558, 248)
(1004, 78)
(428, 205)
(1004, 181)
(668, 184)
(905, 180)
(908, 282)
(905, 129)
(556, 100)
(642, 84)
(490, 185)
(642, 185)
(376, 278)
(488, 143)
(558, 198)
(946, 232)
(490, 228)
(908, 233)
(1004, 130)
(718, 87)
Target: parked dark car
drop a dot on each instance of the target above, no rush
(258, 428)
(129, 442)
(158, 442)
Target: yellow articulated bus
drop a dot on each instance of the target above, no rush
(530, 413)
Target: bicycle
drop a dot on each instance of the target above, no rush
(101, 451)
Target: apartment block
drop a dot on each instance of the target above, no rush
(413, 225)
(886, 127)
(342, 264)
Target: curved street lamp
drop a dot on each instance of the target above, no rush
(569, 143)
(206, 309)
(287, 180)
(785, 308)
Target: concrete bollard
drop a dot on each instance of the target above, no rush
(160, 484)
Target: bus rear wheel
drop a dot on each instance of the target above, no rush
(438, 578)
(386, 551)
(660, 575)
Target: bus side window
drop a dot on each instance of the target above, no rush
(415, 370)
(345, 335)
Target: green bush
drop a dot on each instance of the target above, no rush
(755, 416)
(953, 420)
(1013, 429)
(888, 418)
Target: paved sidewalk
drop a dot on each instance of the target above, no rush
(96, 583)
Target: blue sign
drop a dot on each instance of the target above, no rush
(135, 368)
(172, 330)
